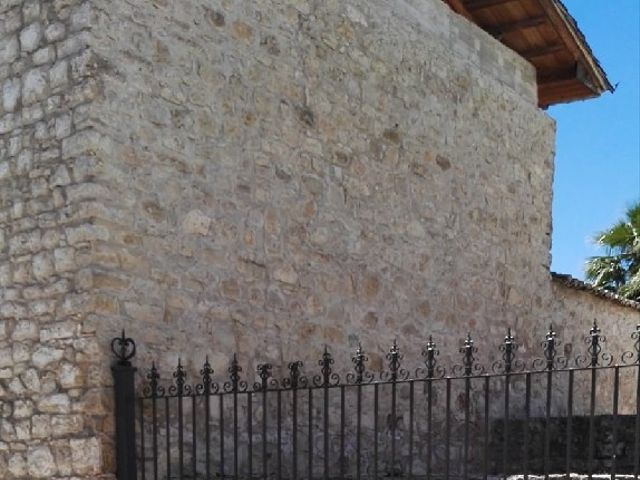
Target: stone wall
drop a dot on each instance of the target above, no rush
(262, 177)
(290, 174)
(52, 417)
(571, 306)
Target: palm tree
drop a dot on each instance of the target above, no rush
(619, 270)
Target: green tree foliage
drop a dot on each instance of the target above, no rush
(619, 269)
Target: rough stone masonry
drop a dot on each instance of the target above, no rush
(263, 177)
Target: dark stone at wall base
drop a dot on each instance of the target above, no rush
(603, 445)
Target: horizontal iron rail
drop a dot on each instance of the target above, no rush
(593, 360)
(443, 379)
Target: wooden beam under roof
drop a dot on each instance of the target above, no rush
(542, 51)
(548, 76)
(472, 5)
(502, 29)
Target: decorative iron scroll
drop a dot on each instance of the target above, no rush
(593, 357)
(124, 348)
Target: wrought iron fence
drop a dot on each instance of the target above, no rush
(546, 415)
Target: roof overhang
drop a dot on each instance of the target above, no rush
(543, 32)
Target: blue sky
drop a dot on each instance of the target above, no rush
(598, 141)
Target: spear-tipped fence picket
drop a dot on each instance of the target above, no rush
(542, 416)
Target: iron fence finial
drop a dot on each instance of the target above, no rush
(549, 347)
(508, 348)
(325, 363)
(359, 360)
(394, 358)
(468, 349)
(123, 348)
(595, 340)
(430, 353)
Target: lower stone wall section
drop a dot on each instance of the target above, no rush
(604, 447)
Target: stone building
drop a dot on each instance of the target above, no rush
(265, 178)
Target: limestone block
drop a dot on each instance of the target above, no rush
(31, 380)
(61, 175)
(34, 86)
(17, 465)
(25, 330)
(86, 456)
(22, 409)
(41, 463)
(43, 356)
(5, 357)
(70, 376)
(11, 94)
(9, 49)
(5, 170)
(63, 425)
(59, 74)
(43, 266)
(196, 223)
(64, 259)
(57, 403)
(54, 32)
(41, 426)
(44, 55)
(30, 37)
(58, 330)
(31, 10)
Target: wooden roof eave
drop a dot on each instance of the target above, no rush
(576, 79)
(588, 70)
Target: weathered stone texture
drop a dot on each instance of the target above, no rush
(263, 177)
(571, 307)
(48, 365)
(286, 175)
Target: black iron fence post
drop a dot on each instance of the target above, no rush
(125, 395)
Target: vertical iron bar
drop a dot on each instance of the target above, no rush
(310, 437)
(207, 433)
(411, 394)
(375, 431)
(235, 433)
(569, 426)
(264, 433)
(342, 427)
(467, 394)
(154, 430)
(279, 432)
(527, 418)
(505, 445)
(180, 437)
(393, 425)
(166, 414)
(125, 409)
(359, 429)
(193, 436)
(326, 432)
(142, 449)
(485, 453)
(614, 454)
(429, 426)
(592, 411)
(294, 434)
(221, 435)
(250, 432)
(447, 455)
(547, 430)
